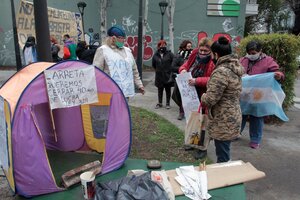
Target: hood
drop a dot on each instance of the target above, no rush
(231, 62)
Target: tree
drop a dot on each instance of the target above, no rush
(170, 14)
(103, 20)
(295, 6)
(266, 17)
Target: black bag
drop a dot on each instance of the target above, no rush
(171, 81)
(176, 95)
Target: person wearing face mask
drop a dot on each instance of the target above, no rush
(256, 62)
(222, 98)
(29, 51)
(162, 63)
(201, 65)
(117, 61)
(185, 50)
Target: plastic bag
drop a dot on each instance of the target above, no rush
(130, 188)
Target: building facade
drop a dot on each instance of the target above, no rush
(193, 19)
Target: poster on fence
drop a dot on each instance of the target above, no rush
(3, 137)
(60, 22)
(71, 87)
(189, 97)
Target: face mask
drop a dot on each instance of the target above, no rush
(203, 58)
(253, 57)
(163, 49)
(119, 44)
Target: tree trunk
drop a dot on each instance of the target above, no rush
(296, 28)
(170, 14)
(103, 20)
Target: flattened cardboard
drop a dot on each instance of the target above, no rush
(222, 175)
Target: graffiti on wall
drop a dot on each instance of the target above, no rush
(131, 28)
(6, 55)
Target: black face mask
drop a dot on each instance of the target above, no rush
(201, 58)
(163, 49)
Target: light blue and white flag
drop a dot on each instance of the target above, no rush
(261, 96)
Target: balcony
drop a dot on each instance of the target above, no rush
(251, 9)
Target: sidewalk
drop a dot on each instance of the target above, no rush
(278, 157)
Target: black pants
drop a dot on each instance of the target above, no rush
(160, 94)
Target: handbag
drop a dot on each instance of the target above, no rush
(171, 80)
(195, 135)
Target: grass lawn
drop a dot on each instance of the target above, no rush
(154, 137)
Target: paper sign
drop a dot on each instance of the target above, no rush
(189, 96)
(3, 137)
(71, 87)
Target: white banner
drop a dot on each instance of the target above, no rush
(189, 97)
(71, 87)
(3, 137)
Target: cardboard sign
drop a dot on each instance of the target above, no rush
(71, 87)
(60, 22)
(189, 96)
(3, 137)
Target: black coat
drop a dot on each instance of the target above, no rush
(163, 68)
(177, 62)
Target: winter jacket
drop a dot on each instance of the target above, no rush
(163, 68)
(54, 51)
(222, 99)
(262, 65)
(200, 81)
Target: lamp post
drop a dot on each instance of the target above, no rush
(81, 5)
(163, 6)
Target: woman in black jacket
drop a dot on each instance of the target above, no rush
(162, 63)
(181, 57)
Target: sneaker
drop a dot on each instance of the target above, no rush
(180, 116)
(159, 105)
(253, 145)
(168, 106)
(199, 154)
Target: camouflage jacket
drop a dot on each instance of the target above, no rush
(222, 99)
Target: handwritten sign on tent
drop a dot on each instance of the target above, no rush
(189, 97)
(71, 87)
(3, 137)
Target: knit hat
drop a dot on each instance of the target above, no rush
(117, 31)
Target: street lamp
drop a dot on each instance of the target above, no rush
(163, 6)
(81, 5)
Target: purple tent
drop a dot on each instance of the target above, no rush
(32, 133)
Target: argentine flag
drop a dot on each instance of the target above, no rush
(261, 96)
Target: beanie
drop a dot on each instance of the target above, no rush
(117, 31)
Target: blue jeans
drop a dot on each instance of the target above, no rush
(222, 150)
(256, 125)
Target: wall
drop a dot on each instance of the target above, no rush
(189, 19)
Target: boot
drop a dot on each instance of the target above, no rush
(180, 116)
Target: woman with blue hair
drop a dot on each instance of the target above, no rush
(118, 62)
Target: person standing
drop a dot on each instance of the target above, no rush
(162, 63)
(29, 51)
(222, 98)
(69, 48)
(118, 62)
(85, 53)
(256, 62)
(54, 49)
(181, 57)
(201, 66)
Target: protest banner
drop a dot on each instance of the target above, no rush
(71, 87)
(4, 163)
(189, 96)
(60, 22)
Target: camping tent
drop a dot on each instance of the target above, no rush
(36, 131)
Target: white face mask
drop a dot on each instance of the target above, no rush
(253, 57)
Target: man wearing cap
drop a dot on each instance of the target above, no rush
(118, 62)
